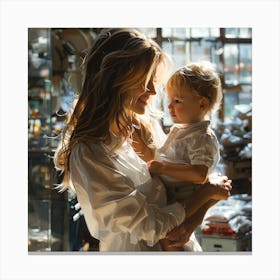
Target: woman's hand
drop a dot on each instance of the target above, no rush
(220, 187)
(167, 245)
(178, 237)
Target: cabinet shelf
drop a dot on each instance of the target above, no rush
(38, 118)
(46, 208)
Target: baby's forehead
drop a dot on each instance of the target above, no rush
(180, 91)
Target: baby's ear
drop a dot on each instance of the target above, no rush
(204, 103)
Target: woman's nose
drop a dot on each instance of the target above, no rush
(152, 90)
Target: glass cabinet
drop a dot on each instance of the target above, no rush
(46, 207)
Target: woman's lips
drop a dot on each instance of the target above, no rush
(143, 101)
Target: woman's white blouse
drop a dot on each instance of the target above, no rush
(123, 206)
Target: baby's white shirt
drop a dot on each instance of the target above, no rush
(196, 144)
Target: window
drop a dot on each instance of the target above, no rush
(230, 49)
(238, 32)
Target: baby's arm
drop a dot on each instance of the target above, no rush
(194, 174)
(186, 172)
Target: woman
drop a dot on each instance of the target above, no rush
(123, 206)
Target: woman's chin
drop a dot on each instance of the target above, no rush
(140, 110)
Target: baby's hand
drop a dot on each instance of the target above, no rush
(155, 167)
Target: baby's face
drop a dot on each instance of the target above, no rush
(184, 106)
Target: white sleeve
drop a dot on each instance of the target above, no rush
(204, 150)
(115, 203)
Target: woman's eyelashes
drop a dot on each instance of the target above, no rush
(177, 101)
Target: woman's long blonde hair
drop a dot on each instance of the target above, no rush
(119, 60)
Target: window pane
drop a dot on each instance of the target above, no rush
(149, 32)
(245, 96)
(245, 63)
(200, 32)
(215, 32)
(167, 120)
(179, 33)
(188, 52)
(166, 32)
(245, 33)
(230, 99)
(200, 51)
(167, 47)
(238, 32)
(231, 64)
(215, 57)
(231, 32)
(179, 53)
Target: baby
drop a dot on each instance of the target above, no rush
(191, 150)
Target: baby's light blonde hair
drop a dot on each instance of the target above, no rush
(202, 78)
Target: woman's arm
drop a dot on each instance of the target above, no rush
(189, 173)
(176, 238)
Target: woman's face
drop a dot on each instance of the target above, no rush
(138, 98)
